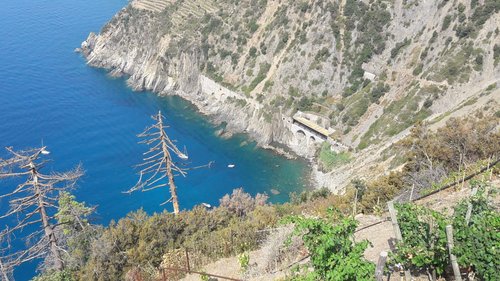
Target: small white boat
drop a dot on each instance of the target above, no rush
(184, 155)
(208, 206)
(231, 166)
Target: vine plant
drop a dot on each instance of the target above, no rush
(424, 240)
(476, 243)
(334, 254)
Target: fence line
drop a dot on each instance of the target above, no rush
(464, 179)
(199, 258)
(371, 225)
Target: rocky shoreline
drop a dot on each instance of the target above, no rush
(215, 106)
(142, 60)
(180, 76)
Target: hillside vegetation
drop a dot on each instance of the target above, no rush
(141, 244)
(370, 69)
(311, 55)
(411, 87)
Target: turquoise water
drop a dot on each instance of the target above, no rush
(49, 95)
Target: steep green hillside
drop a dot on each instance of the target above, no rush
(369, 69)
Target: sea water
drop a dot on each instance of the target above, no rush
(49, 96)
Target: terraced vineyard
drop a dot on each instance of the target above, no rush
(193, 8)
(152, 5)
(185, 10)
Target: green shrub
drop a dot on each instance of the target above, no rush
(379, 91)
(479, 62)
(309, 195)
(253, 26)
(496, 54)
(322, 55)
(263, 69)
(305, 104)
(424, 239)
(330, 159)
(464, 30)
(303, 6)
(55, 276)
(334, 255)
(252, 52)
(446, 22)
(284, 36)
(418, 69)
(477, 243)
(395, 51)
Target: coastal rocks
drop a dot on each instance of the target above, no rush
(131, 46)
(125, 50)
(252, 65)
(224, 134)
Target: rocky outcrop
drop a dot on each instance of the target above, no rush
(146, 66)
(252, 64)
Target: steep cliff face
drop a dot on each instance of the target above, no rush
(372, 68)
(131, 45)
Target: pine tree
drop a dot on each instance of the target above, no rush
(34, 203)
(158, 162)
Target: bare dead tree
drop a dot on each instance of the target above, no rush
(158, 164)
(5, 272)
(34, 203)
(6, 269)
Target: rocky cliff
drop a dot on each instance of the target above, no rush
(130, 46)
(372, 68)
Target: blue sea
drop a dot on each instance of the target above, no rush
(49, 96)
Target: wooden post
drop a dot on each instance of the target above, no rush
(411, 193)
(188, 266)
(487, 187)
(486, 172)
(355, 203)
(453, 258)
(394, 220)
(379, 270)
(469, 207)
(459, 170)
(491, 170)
(397, 231)
(463, 178)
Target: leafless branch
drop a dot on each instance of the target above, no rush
(158, 169)
(32, 202)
